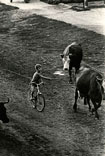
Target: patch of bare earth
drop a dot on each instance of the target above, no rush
(24, 41)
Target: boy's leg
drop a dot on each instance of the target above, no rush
(33, 92)
(38, 89)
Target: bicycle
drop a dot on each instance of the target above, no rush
(38, 100)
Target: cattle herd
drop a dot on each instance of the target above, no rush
(89, 82)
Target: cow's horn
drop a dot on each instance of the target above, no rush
(99, 79)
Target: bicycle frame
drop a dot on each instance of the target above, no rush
(38, 90)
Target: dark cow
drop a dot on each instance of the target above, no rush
(3, 115)
(85, 4)
(26, 1)
(72, 57)
(90, 86)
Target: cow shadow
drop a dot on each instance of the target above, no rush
(81, 8)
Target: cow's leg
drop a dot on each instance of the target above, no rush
(95, 109)
(77, 67)
(73, 75)
(75, 103)
(85, 101)
(88, 101)
(70, 72)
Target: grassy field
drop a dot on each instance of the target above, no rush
(24, 41)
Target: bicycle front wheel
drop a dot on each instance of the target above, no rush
(40, 103)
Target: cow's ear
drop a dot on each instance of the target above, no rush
(62, 55)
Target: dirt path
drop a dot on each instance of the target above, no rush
(91, 20)
(26, 39)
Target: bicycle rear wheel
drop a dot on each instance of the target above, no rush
(40, 103)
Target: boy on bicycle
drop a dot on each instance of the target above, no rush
(37, 80)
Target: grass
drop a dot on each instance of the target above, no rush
(27, 40)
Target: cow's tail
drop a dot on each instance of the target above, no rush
(5, 101)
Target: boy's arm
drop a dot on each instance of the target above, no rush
(33, 77)
(44, 77)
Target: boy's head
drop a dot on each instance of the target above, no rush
(38, 67)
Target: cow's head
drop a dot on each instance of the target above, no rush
(101, 84)
(66, 61)
(3, 115)
(66, 56)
